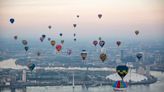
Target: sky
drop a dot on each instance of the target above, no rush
(119, 21)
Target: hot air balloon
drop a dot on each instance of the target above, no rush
(15, 37)
(120, 85)
(69, 51)
(77, 16)
(74, 34)
(38, 53)
(49, 26)
(95, 43)
(58, 48)
(103, 57)
(83, 54)
(122, 70)
(24, 42)
(139, 55)
(74, 25)
(12, 20)
(41, 39)
(99, 15)
(26, 48)
(62, 41)
(136, 32)
(31, 66)
(61, 34)
(118, 43)
(49, 39)
(99, 38)
(101, 43)
(53, 42)
(74, 39)
(43, 36)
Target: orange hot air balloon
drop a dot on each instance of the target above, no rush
(58, 48)
(53, 43)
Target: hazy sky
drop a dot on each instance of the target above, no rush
(120, 18)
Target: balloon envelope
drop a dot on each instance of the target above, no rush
(122, 70)
(103, 57)
(95, 43)
(120, 85)
(101, 43)
(139, 55)
(99, 15)
(58, 47)
(74, 25)
(118, 43)
(136, 32)
(69, 51)
(53, 42)
(24, 42)
(15, 37)
(31, 66)
(26, 48)
(49, 27)
(83, 54)
(12, 20)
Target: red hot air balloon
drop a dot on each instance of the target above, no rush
(95, 43)
(118, 43)
(58, 48)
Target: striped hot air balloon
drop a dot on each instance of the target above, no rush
(120, 86)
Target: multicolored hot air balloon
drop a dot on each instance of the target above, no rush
(95, 43)
(103, 57)
(122, 70)
(99, 16)
(12, 20)
(83, 54)
(53, 42)
(101, 43)
(120, 86)
(139, 55)
(31, 66)
(136, 32)
(118, 43)
(24, 42)
(58, 48)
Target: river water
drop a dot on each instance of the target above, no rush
(156, 87)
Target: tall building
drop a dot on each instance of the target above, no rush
(24, 76)
(157, 60)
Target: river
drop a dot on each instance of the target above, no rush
(156, 87)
